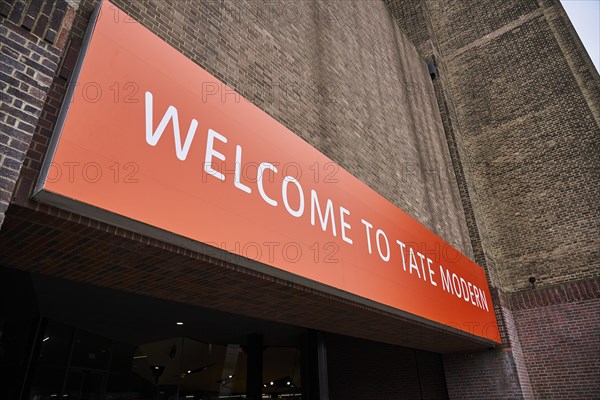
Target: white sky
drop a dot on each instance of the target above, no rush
(585, 17)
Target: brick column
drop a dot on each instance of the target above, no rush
(525, 163)
(33, 36)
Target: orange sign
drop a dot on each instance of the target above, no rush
(152, 141)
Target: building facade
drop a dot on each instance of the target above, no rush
(497, 154)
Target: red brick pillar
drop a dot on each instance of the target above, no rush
(499, 373)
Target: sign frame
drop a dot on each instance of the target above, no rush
(44, 196)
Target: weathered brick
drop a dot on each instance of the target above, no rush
(5, 7)
(51, 35)
(14, 91)
(8, 174)
(39, 67)
(55, 22)
(6, 60)
(27, 78)
(17, 38)
(11, 163)
(13, 46)
(10, 152)
(41, 25)
(10, 52)
(7, 78)
(6, 69)
(43, 51)
(25, 127)
(17, 11)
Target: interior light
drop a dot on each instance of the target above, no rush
(46, 338)
(230, 376)
(271, 383)
(179, 323)
(289, 383)
(189, 371)
(136, 357)
(155, 367)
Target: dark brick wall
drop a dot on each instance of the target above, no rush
(32, 37)
(363, 370)
(477, 376)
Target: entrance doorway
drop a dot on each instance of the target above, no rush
(66, 340)
(76, 364)
(82, 342)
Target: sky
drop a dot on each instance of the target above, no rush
(585, 17)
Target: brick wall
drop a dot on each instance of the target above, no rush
(32, 37)
(520, 106)
(554, 348)
(496, 373)
(506, 174)
(558, 328)
(315, 66)
(526, 122)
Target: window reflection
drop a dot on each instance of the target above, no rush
(195, 369)
(281, 373)
(78, 365)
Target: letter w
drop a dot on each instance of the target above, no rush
(152, 137)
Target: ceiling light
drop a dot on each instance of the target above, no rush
(271, 383)
(180, 323)
(136, 357)
(46, 338)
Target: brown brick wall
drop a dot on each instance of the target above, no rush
(524, 109)
(520, 105)
(553, 353)
(483, 376)
(413, 17)
(536, 162)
